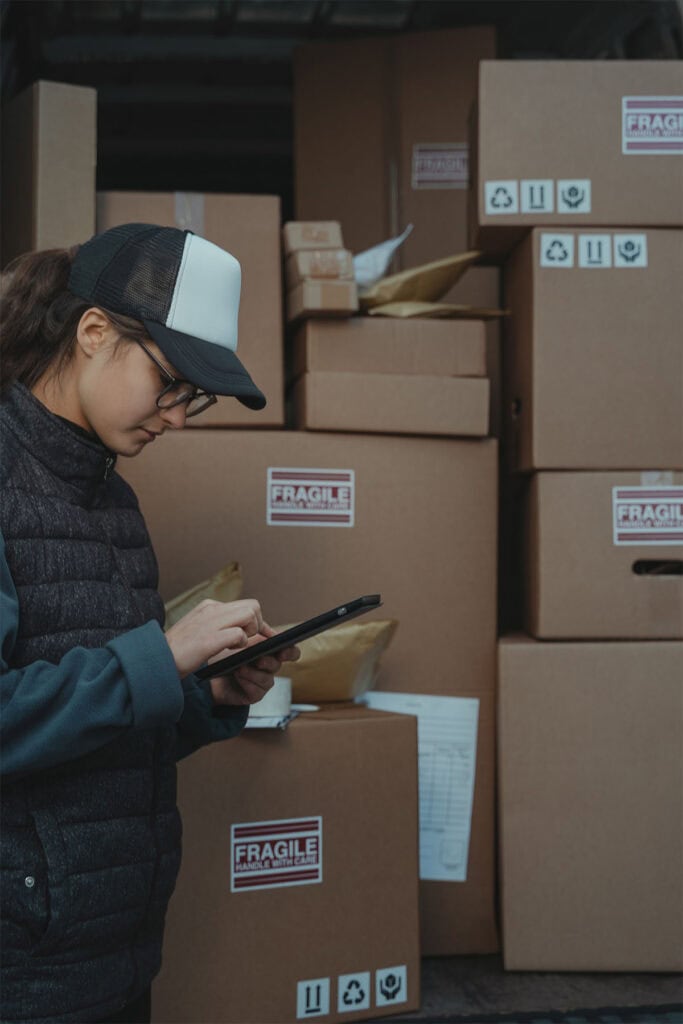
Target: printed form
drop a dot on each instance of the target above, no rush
(447, 752)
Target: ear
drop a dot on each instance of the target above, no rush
(94, 331)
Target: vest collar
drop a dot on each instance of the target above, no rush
(69, 453)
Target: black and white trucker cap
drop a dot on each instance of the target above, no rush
(184, 289)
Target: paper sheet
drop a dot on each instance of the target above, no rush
(447, 750)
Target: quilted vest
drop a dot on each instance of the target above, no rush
(104, 827)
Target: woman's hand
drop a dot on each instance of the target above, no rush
(250, 683)
(214, 629)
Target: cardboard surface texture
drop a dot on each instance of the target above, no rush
(591, 820)
(593, 350)
(249, 228)
(322, 298)
(574, 143)
(604, 556)
(311, 234)
(380, 137)
(325, 264)
(49, 158)
(392, 404)
(351, 904)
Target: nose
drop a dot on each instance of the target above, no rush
(175, 416)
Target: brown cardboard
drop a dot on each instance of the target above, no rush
(251, 949)
(49, 146)
(556, 121)
(322, 298)
(594, 369)
(365, 345)
(392, 403)
(249, 228)
(582, 582)
(591, 826)
(363, 110)
(311, 234)
(328, 264)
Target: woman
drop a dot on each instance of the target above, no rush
(103, 349)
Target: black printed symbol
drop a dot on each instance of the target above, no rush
(594, 254)
(557, 252)
(313, 1003)
(501, 199)
(537, 204)
(629, 251)
(354, 994)
(390, 986)
(573, 196)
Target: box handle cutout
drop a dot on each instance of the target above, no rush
(658, 567)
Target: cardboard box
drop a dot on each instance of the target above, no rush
(392, 403)
(406, 501)
(380, 137)
(352, 906)
(574, 143)
(591, 823)
(49, 147)
(328, 264)
(322, 298)
(249, 228)
(594, 373)
(605, 556)
(363, 344)
(311, 234)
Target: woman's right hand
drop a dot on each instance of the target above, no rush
(212, 627)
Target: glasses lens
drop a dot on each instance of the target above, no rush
(199, 404)
(175, 394)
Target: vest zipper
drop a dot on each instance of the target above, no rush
(109, 465)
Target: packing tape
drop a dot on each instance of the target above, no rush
(189, 211)
(276, 703)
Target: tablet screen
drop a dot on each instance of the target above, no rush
(291, 636)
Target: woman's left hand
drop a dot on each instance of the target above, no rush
(250, 683)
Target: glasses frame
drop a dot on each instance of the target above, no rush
(175, 382)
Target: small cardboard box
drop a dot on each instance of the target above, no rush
(311, 234)
(299, 881)
(386, 345)
(392, 403)
(594, 372)
(49, 158)
(325, 264)
(249, 228)
(604, 556)
(590, 812)
(574, 143)
(322, 298)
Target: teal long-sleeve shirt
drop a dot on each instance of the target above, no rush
(50, 713)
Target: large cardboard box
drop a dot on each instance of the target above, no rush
(591, 819)
(412, 518)
(574, 143)
(380, 137)
(604, 556)
(328, 931)
(49, 157)
(593, 350)
(249, 228)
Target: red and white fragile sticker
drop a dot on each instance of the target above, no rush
(310, 497)
(652, 124)
(440, 165)
(273, 854)
(647, 515)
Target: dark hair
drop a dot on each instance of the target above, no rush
(39, 317)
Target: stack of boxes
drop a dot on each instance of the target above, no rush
(318, 271)
(587, 214)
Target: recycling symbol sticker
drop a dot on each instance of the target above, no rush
(501, 197)
(353, 992)
(391, 986)
(557, 250)
(630, 250)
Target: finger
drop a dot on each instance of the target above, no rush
(289, 654)
(250, 675)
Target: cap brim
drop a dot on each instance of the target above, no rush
(211, 367)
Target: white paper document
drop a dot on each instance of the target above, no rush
(447, 752)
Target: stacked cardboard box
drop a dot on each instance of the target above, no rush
(593, 422)
(319, 271)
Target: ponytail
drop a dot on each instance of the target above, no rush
(39, 317)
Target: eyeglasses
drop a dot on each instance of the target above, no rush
(179, 392)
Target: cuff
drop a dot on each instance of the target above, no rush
(155, 688)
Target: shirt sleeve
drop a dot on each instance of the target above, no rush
(52, 713)
(203, 721)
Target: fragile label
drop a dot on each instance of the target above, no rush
(273, 854)
(652, 124)
(310, 497)
(647, 515)
(441, 166)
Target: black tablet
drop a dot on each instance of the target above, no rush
(291, 636)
